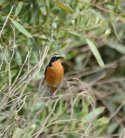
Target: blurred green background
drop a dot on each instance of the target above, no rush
(91, 34)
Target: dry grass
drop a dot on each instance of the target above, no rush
(91, 102)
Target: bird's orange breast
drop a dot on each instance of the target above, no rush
(54, 74)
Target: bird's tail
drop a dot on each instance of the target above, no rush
(53, 89)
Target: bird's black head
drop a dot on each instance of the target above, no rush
(54, 58)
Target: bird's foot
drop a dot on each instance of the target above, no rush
(52, 95)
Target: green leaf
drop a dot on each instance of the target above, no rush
(115, 45)
(18, 58)
(21, 28)
(95, 113)
(95, 52)
(112, 127)
(19, 7)
(30, 131)
(102, 121)
(2, 118)
(64, 7)
(17, 133)
(76, 34)
(38, 107)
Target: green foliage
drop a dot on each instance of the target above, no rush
(91, 35)
(95, 52)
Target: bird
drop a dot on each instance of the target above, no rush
(54, 73)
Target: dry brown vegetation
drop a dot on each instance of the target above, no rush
(91, 102)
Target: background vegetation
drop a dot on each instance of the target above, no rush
(91, 103)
